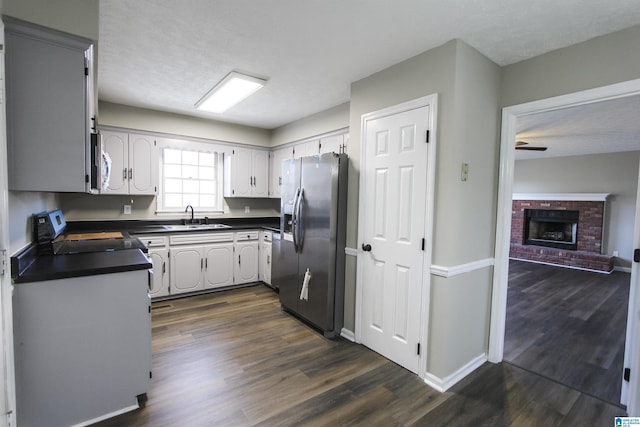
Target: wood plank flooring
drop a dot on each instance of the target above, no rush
(568, 325)
(234, 358)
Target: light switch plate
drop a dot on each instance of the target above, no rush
(127, 209)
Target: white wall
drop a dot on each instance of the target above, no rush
(615, 173)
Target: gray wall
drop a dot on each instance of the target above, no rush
(142, 119)
(316, 124)
(615, 173)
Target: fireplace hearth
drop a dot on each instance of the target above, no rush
(561, 229)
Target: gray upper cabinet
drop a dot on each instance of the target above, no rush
(49, 107)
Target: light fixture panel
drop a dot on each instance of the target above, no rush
(229, 91)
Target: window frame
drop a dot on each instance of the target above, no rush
(175, 144)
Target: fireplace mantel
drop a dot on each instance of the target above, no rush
(570, 197)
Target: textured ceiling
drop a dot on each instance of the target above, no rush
(600, 127)
(165, 54)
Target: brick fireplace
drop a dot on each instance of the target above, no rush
(560, 229)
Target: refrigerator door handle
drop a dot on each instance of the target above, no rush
(299, 221)
(294, 219)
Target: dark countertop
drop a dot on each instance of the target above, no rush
(159, 226)
(29, 266)
(52, 267)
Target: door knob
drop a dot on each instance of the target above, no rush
(366, 248)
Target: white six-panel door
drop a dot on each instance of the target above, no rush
(395, 181)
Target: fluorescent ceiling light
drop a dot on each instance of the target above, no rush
(232, 89)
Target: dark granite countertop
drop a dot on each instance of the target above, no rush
(164, 226)
(29, 266)
(36, 268)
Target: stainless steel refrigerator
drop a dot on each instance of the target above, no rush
(309, 258)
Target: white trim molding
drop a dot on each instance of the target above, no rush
(565, 197)
(351, 252)
(348, 334)
(438, 270)
(444, 384)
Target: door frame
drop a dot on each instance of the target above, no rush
(432, 102)
(503, 227)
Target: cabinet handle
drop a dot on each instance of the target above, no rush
(164, 267)
(206, 263)
(279, 180)
(201, 263)
(130, 173)
(251, 181)
(124, 174)
(239, 260)
(268, 260)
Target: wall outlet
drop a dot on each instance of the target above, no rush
(615, 253)
(127, 209)
(464, 173)
(247, 209)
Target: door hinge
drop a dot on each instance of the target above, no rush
(418, 349)
(150, 374)
(86, 178)
(149, 309)
(3, 266)
(427, 137)
(636, 255)
(627, 374)
(86, 71)
(423, 243)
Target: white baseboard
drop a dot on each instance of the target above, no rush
(348, 335)
(622, 269)
(444, 384)
(107, 416)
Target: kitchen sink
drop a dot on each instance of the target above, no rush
(185, 227)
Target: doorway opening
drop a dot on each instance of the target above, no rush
(630, 393)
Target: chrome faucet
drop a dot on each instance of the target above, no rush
(187, 210)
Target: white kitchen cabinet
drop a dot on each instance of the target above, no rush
(334, 144)
(246, 257)
(309, 148)
(49, 108)
(265, 253)
(187, 265)
(276, 158)
(157, 246)
(246, 173)
(134, 163)
(201, 261)
(82, 347)
(218, 265)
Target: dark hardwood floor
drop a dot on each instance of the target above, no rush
(234, 358)
(568, 325)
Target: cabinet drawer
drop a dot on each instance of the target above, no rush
(245, 236)
(189, 238)
(153, 241)
(266, 236)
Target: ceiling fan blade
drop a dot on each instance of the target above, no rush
(531, 148)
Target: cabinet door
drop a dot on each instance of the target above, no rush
(46, 109)
(331, 144)
(265, 262)
(143, 165)
(160, 260)
(246, 262)
(260, 171)
(275, 183)
(218, 265)
(241, 177)
(186, 269)
(116, 145)
(310, 148)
